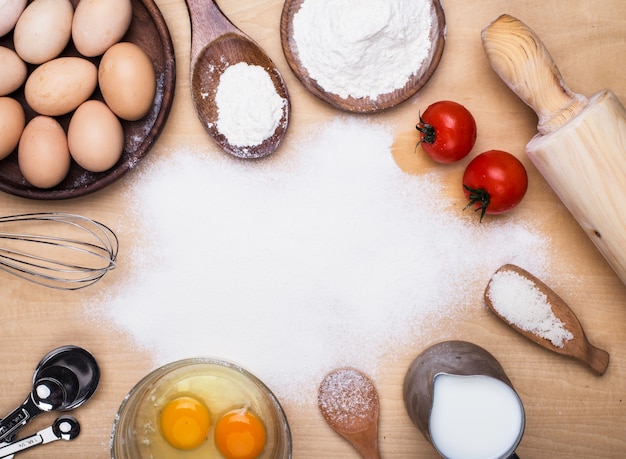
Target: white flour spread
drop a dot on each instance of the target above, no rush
(362, 48)
(249, 108)
(325, 256)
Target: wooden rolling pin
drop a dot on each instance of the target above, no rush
(580, 148)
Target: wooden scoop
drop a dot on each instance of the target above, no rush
(217, 44)
(349, 402)
(578, 347)
(363, 105)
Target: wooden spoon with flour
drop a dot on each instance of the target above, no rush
(216, 45)
(534, 310)
(348, 400)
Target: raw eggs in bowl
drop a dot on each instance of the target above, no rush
(201, 408)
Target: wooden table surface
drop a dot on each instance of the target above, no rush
(571, 413)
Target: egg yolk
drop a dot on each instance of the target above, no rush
(240, 434)
(185, 423)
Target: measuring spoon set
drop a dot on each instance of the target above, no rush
(64, 379)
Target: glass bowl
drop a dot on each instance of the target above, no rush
(220, 385)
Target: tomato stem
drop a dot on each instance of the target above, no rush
(427, 131)
(478, 197)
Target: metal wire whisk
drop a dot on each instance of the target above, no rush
(55, 249)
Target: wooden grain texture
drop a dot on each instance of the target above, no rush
(519, 57)
(578, 346)
(580, 148)
(216, 44)
(570, 412)
(585, 164)
(348, 401)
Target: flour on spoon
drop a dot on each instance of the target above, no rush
(249, 108)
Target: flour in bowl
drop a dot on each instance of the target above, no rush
(362, 48)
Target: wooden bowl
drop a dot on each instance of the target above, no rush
(364, 105)
(148, 30)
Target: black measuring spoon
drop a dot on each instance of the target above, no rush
(64, 379)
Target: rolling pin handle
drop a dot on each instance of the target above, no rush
(522, 61)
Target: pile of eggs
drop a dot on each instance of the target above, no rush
(56, 85)
(239, 434)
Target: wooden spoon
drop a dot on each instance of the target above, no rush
(363, 105)
(217, 44)
(578, 347)
(349, 402)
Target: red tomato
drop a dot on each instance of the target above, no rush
(447, 131)
(494, 182)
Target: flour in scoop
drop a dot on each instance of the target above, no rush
(248, 107)
(362, 48)
(522, 304)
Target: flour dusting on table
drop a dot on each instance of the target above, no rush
(327, 255)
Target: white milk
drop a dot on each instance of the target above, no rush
(475, 417)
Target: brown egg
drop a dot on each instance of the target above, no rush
(11, 125)
(10, 11)
(60, 85)
(12, 71)
(43, 30)
(95, 136)
(43, 155)
(98, 24)
(127, 81)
